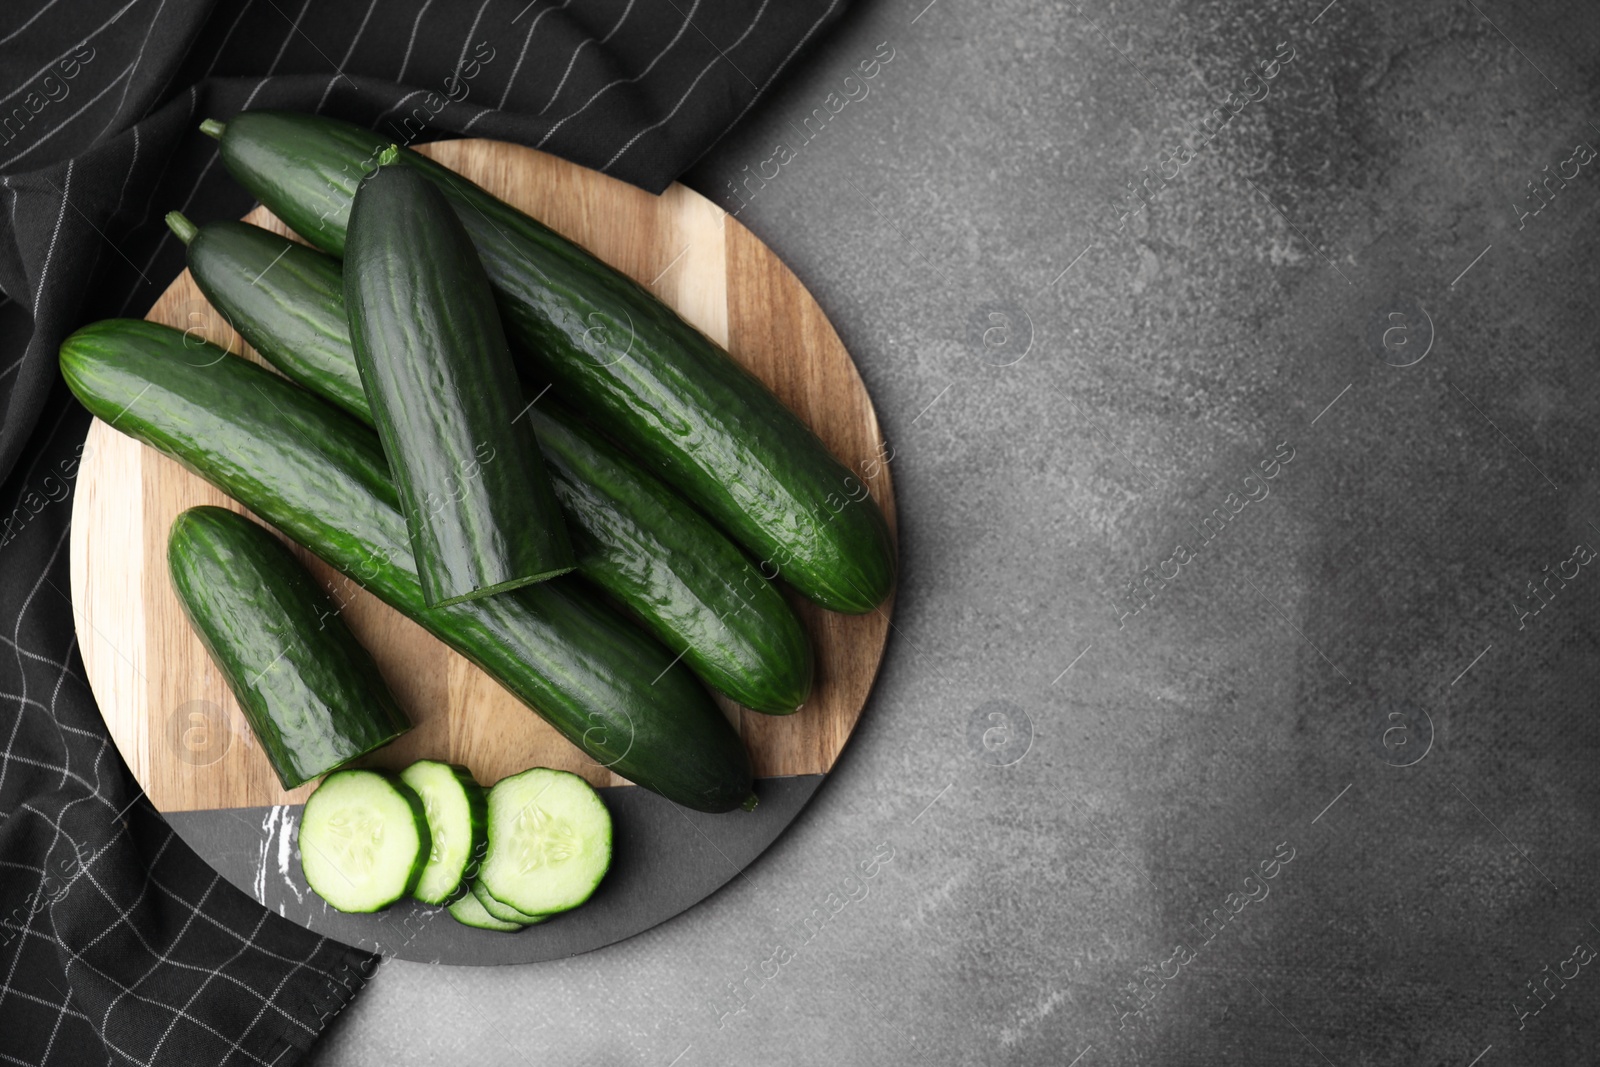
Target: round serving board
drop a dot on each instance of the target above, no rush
(180, 730)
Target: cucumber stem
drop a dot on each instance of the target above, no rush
(213, 128)
(389, 155)
(181, 227)
(750, 803)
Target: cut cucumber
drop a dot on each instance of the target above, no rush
(437, 371)
(549, 841)
(313, 696)
(363, 840)
(455, 806)
(503, 912)
(467, 911)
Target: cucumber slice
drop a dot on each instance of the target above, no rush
(467, 911)
(549, 841)
(363, 840)
(455, 806)
(503, 912)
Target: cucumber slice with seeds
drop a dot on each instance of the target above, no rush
(363, 840)
(503, 912)
(455, 806)
(549, 841)
(467, 911)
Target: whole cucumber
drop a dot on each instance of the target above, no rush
(633, 536)
(321, 479)
(311, 692)
(662, 388)
(285, 299)
(687, 582)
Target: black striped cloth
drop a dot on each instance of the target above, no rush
(117, 943)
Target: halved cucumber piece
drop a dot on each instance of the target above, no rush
(314, 698)
(455, 806)
(503, 912)
(549, 841)
(467, 911)
(363, 840)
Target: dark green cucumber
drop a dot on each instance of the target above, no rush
(688, 583)
(320, 478)
(444, 396)
(312, 694)
(285, 299)
(661, 387)
(634, 536)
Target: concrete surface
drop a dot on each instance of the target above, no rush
(1050, 840)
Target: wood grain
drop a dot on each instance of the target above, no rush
(171, 714)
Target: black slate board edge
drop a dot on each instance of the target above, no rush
(666, 859)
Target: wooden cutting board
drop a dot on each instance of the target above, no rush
(171, 714)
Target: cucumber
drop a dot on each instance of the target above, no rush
(468, 911)
(320, 478)
(663, 389)
(690, 585)
(503, 912)
(633, 536)
(549, 841)
(437, 373)
(363, 840)
(312, 694)
(285, 299)
(456, 809)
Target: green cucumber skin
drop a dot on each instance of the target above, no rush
(674, 397)
(507, 913)
(419, 818)
(445, 397)
(321, 479)
(690, 585)
(286, 300)
(468, 911)
(314, 697)
(632, 535)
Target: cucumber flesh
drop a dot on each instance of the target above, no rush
(503, 912)
(363, 840)
(467, 911)
(549, 841)
(454, 804)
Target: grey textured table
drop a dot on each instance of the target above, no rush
(1238, 708)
